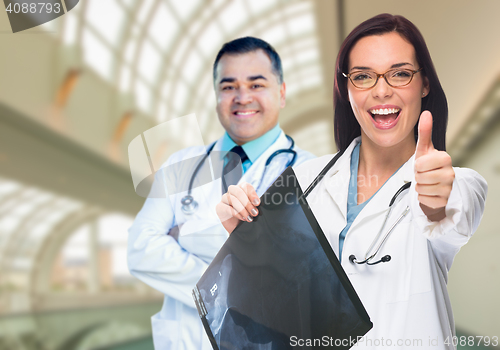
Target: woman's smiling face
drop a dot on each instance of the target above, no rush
(387, 115)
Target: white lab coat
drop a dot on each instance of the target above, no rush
(175, 267)
(406, 298)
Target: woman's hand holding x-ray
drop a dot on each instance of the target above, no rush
(434, 173)
(238, 204)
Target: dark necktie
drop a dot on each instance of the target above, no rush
(233, 170)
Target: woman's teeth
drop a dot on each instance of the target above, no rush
(385, 117)
(384, 111)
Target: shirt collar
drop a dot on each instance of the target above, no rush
(254, 148)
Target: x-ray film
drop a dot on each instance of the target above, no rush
(277, 280)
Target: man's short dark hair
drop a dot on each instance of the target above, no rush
(250, 44)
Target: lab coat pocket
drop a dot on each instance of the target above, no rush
(408, 272)
(165, 333)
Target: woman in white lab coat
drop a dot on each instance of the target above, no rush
(390, 124)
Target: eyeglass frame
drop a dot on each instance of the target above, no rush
(413, 72)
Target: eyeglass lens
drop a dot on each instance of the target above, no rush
(396, 77)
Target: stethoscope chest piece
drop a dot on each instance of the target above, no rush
(189, 205)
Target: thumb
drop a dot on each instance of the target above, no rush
(424, 143)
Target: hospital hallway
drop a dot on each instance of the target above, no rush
(78, 93)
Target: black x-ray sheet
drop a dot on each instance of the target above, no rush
(277, 284)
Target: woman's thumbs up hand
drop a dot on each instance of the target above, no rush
(424, 143)
(434, 173)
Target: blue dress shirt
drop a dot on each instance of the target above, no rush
(254, 148)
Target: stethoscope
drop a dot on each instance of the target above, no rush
(368, 257)
(385, 258)
(189, 204)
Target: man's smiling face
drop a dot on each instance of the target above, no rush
(249, 95)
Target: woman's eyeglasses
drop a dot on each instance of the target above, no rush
(394, 77)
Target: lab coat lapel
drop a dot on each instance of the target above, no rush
(337, 179)
(337, 186)
(214, 192)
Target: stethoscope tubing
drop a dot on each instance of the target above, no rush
(391, 203)
(198, 167)
(385, 258)
(368, 259)
(352, 258)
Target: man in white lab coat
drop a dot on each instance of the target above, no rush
(169, 249)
